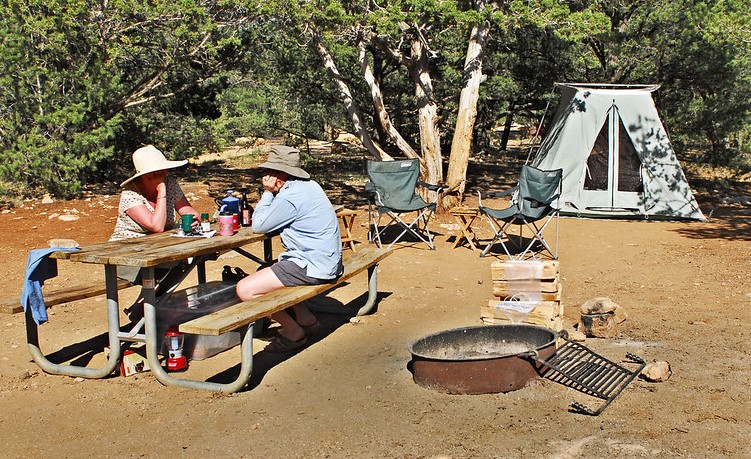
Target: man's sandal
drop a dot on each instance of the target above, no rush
(283, 344)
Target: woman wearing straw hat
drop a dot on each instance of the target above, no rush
(150, 197)
(298, 207)
(148, 203)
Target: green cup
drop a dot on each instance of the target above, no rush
(187, 223)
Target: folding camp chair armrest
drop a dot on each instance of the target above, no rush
(430, 186)
(497, 194)
(371, 192)
(493, 194)
(536, 203)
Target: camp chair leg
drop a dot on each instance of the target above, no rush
(419, 225)
(374, 237)
(537, 236)
(427, 232)
(413, 230)
(374, 233)
(528, 249)
(499, 231)
(496, 236)
(376, 229)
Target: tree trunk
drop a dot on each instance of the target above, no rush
(380, 109)
(346, 95)
(465, 121)
(507, 126)
(430, 139)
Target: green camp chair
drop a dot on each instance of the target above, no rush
(391, 191)
(534, 204)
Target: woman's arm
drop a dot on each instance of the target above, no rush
(153, 222)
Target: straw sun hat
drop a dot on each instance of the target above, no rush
(285, 159)
(149, 159)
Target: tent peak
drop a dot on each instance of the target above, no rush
(606, 86)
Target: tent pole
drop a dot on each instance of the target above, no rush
(537, 132)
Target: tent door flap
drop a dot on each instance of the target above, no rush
(613, 171)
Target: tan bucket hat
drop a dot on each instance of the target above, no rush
(285, 159)
(149, 159)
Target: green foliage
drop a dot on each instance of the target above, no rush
(83, 83)
(48, 131)
(281, 89)
(706, 96)
(77, 77)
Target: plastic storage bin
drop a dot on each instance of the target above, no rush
(194, 302)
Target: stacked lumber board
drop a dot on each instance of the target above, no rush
(525, 291)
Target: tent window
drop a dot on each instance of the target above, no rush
(629, 165)
(596, 177)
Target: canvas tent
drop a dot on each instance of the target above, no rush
(615, 154)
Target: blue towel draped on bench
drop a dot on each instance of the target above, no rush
(39, 268)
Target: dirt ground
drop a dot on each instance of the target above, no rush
(686, 287)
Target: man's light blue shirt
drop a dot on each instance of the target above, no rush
(308, 224)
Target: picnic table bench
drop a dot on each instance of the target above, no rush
(247, 312)
(12, 305)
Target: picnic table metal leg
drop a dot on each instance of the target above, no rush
(113, 320)
(201, 272)
(268, 251)
(152, 350)
(372, 291)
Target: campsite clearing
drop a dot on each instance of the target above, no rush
(684, 285)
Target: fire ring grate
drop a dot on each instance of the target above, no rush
(582, 369)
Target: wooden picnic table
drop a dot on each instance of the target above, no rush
(156, 249)
(145, 252)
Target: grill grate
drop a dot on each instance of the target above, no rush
(576, 366)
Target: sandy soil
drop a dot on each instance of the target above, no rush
(685, 286)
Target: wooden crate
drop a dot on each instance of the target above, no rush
(527, 285)
(504, 292)
(553, 323)
(524, 269)
(533, 280)
(543, 308)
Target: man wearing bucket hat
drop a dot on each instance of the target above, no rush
(298, 207)
(148, 203)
